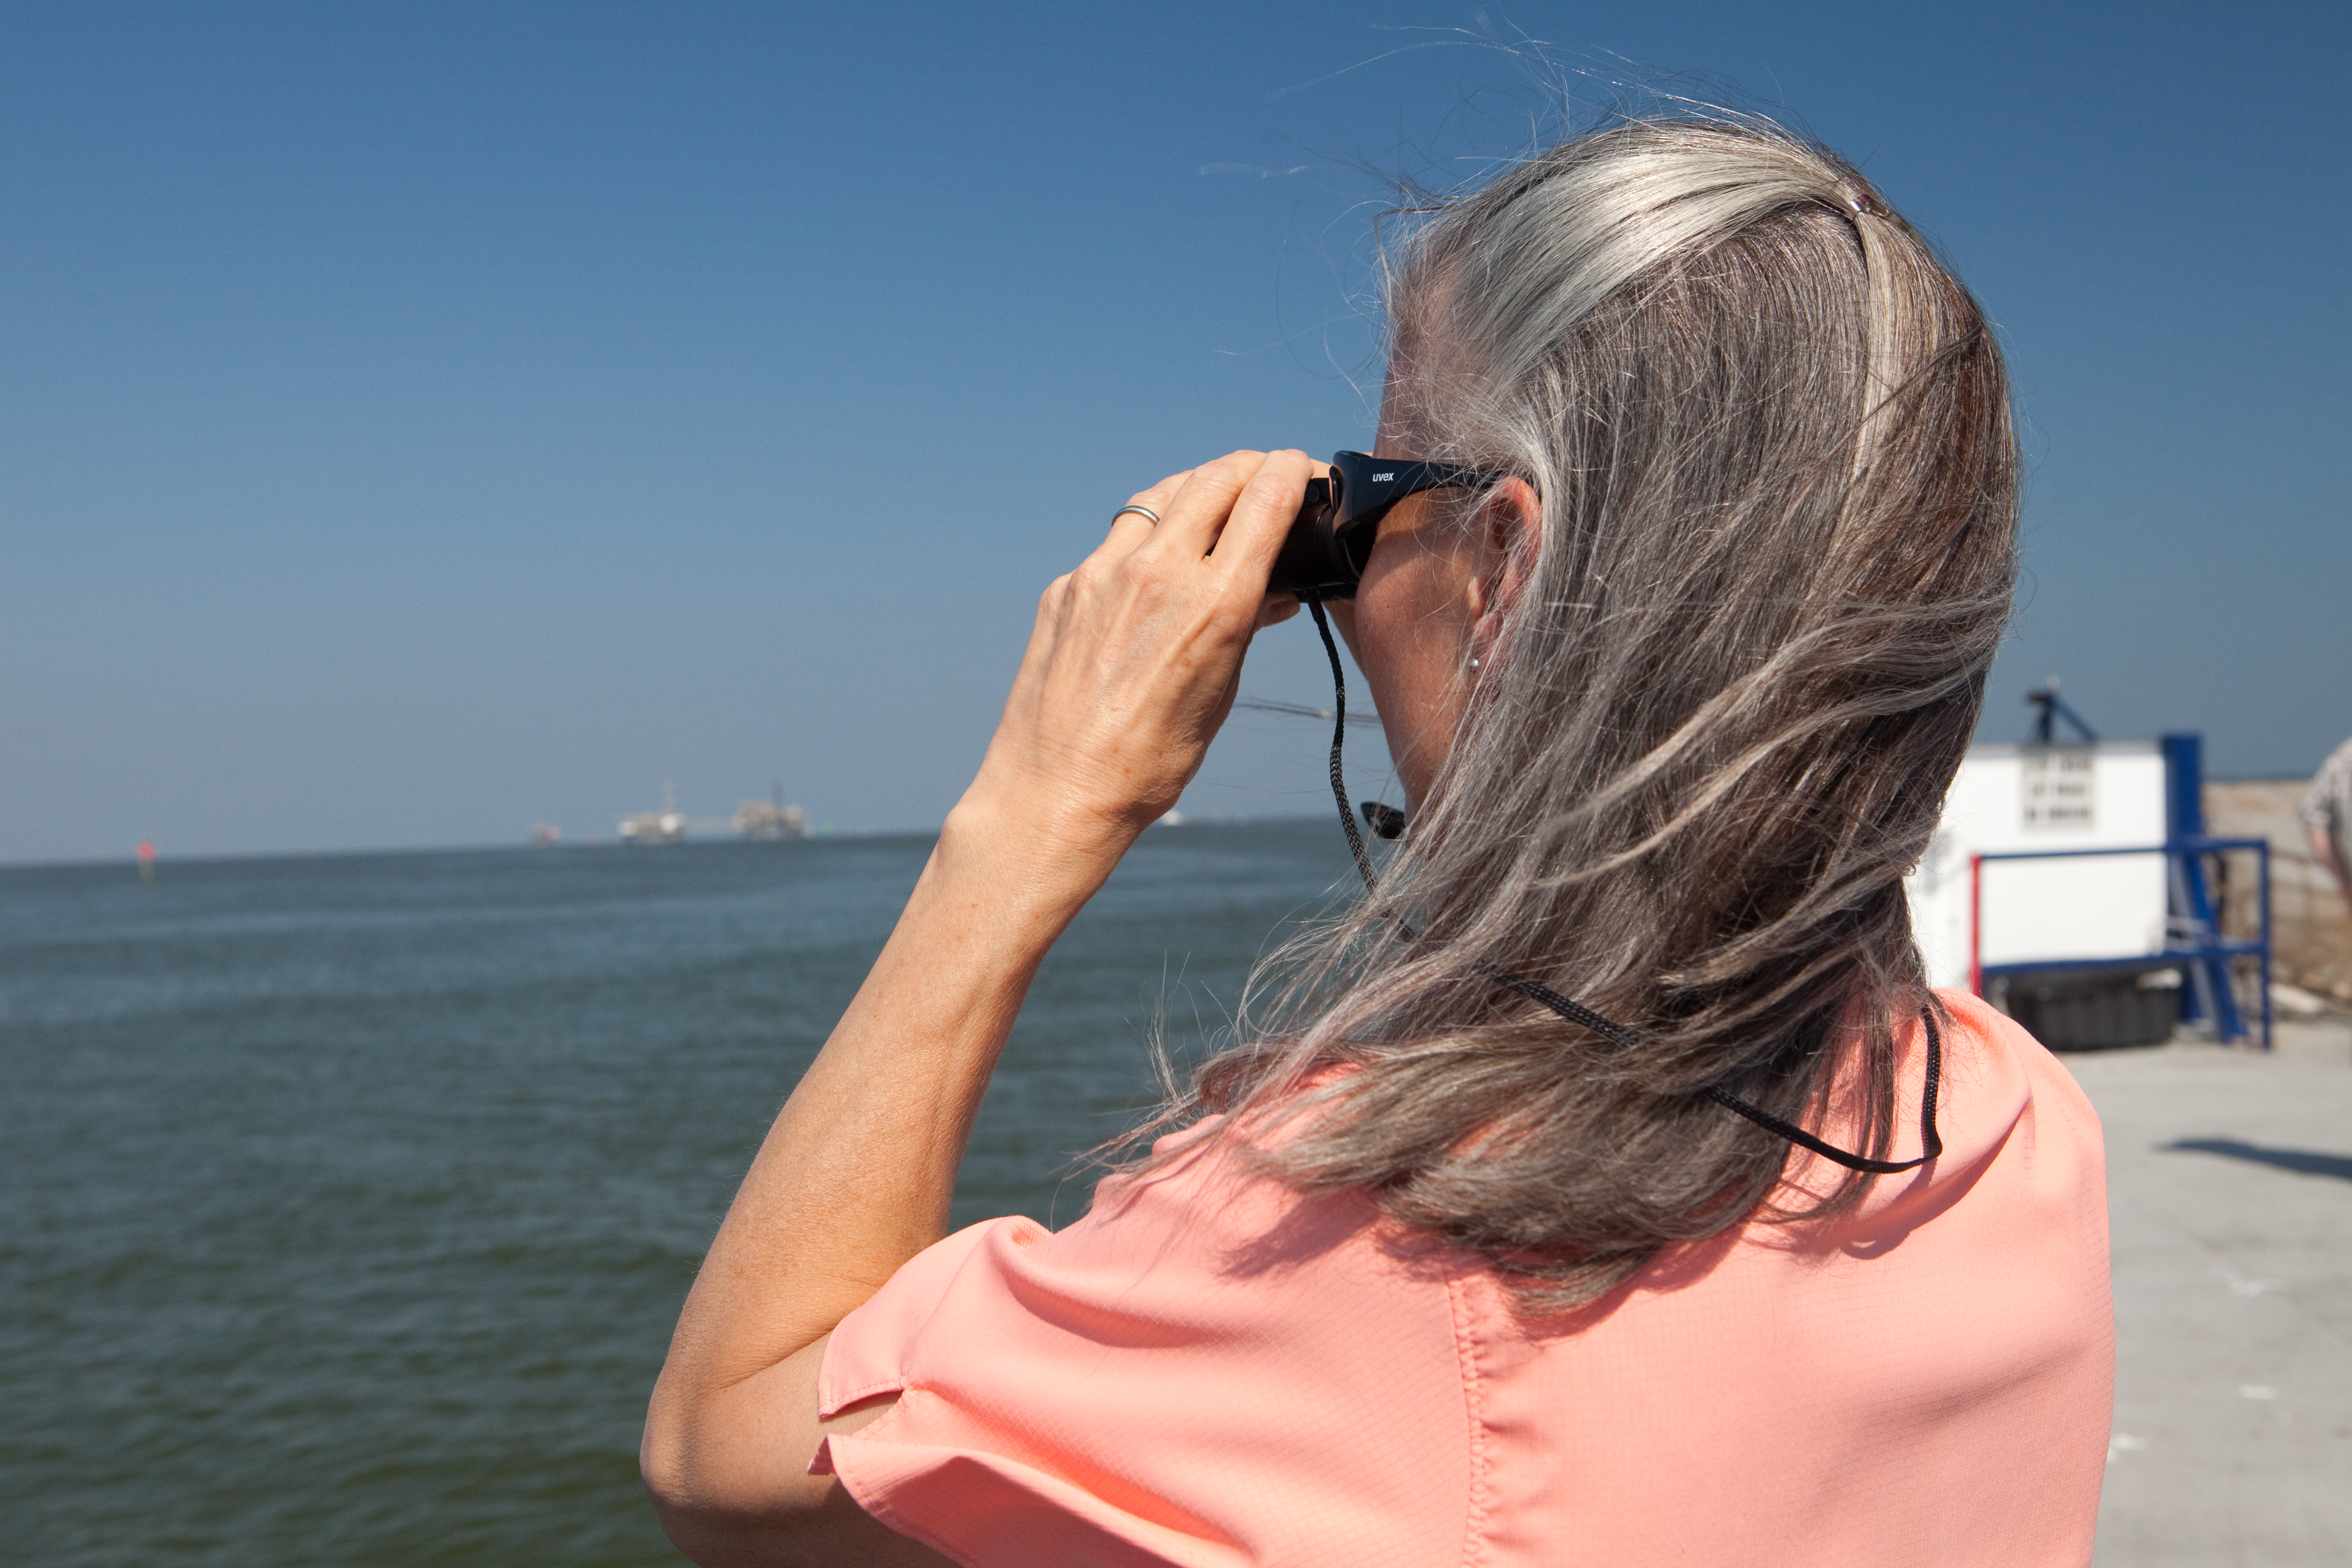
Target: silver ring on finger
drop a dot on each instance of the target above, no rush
(1145, 512)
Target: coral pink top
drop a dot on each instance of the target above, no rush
(1208, 1370)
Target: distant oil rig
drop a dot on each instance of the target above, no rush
(763, 821)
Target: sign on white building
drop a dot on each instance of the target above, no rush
(2043, 797)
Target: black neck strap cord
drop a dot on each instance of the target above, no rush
(1585, 1017)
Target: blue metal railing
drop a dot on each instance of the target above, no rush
(2193, 938)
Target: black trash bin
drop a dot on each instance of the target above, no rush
(2092, 1009)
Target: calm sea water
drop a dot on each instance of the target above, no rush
(348, 1200)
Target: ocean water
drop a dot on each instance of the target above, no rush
(348, 1201)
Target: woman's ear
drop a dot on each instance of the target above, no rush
(1510, 535)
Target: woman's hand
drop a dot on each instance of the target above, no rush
(1134, 660)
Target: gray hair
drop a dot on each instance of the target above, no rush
(1772, 436)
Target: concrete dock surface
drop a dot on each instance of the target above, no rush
(2229, 1193)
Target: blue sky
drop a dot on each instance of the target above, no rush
(418, 421)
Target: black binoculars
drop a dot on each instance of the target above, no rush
(1331, 538)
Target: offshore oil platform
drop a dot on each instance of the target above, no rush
(762, 821)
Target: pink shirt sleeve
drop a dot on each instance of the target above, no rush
(1202, 1371)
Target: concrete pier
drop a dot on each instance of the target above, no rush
(2229, 1187)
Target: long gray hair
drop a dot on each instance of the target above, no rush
(1772, 440)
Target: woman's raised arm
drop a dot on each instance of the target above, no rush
(1130, 672)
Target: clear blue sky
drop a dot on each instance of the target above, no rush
(421, 420)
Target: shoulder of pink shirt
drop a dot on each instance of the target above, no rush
(1210, 1369)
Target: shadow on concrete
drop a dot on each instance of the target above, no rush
(2305, 1161)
